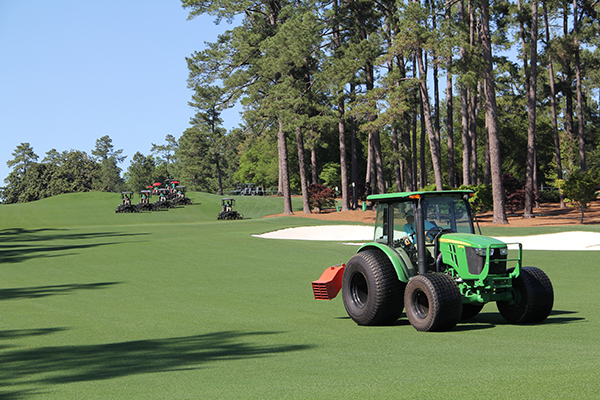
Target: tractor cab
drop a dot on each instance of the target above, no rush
(416, 221)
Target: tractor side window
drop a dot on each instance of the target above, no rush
(381, 224)
(404, 221)
(461, 216)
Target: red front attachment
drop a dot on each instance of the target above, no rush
(330, 283)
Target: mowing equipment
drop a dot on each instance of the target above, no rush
(227, 210)
(426, 258)
(126, 206)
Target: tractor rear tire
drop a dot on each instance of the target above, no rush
(433, 302)
(470, 310)
(371, 290)
(535, 298)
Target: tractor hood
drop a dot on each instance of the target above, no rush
(471, 240)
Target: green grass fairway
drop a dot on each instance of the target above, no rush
(177, 305)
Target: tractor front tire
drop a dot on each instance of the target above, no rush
(535, 298)
(433, 302)
(371, 290)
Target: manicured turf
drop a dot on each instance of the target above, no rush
(176, 305)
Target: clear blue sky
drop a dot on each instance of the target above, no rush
(72, 71)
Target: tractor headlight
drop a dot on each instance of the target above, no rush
(481, 252)
(504, 251)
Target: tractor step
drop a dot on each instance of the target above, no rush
(329, 284)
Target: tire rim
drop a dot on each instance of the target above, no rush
(420, 303)
(359, 289)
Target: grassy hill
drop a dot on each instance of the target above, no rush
(177, 305)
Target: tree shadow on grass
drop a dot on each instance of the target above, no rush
(15, 245)
(44, 291)
(47, 234)
(21, 333)
(66, 364)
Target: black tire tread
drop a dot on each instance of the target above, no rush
(445, 302)
(537, 298)
(385, 302)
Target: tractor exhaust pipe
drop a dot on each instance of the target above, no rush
(420, 228)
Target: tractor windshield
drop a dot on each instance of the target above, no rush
(448, 213)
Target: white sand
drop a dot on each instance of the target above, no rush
(327, 232)
(362, 233)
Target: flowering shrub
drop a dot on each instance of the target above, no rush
(320, 197)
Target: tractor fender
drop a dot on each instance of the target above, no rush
(398, 258)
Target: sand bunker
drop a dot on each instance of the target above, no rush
(362, 233)
(337, 233)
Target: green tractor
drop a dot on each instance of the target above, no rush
(427, 259)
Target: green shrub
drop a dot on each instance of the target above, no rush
(482, 199)
(331, 175)
(549, 196)
(579, 189)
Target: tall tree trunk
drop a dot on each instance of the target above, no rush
(487, 173)
(449, 109)
(567, 89)
(341, 128)
(407, 153)
(280, 177)
(354, 156)
(473, 101)
(220, 179)
(370, 178)
(531, 106)
(302, 167)
(397, 164)
(473, 135)
(434, 143)
(450, 130)
(559, 172)
(283, 169)
(374, 139)
(464, 95)
(580, 120)
(491, 116)
(422, 163)
(314, 172)
(466, 142)
(414, 150)
(378, 162)
(343, 162)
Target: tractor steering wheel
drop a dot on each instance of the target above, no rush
(432, 233)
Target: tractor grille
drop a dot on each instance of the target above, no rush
(476, 262)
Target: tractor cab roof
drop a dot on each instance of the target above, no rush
(404, 196)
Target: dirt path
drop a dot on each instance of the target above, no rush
(545, 215)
